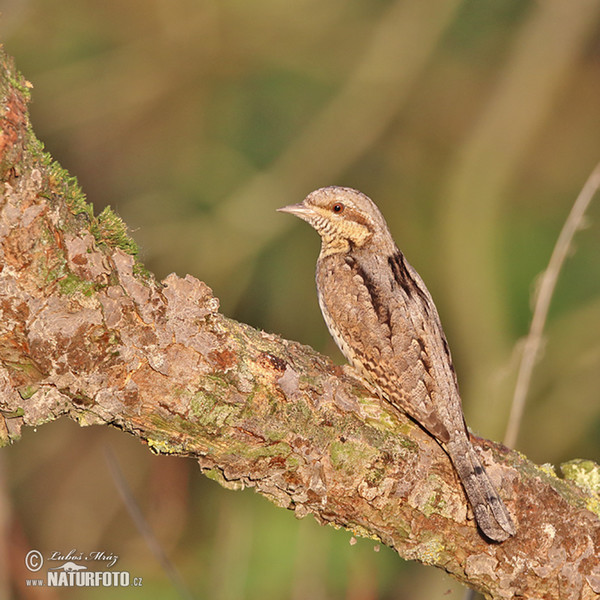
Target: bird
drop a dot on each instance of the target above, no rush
(382, 317)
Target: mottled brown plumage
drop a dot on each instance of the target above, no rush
(382, 317)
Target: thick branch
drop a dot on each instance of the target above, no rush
(85, 333)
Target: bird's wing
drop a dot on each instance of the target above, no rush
(387, 339)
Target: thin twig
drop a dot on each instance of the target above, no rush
(470, 594)
(143, 527)
(546, 290)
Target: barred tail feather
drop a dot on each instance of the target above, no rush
(490, 511)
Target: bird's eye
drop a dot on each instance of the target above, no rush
(338, 207)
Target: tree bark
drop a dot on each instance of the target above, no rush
(86, 332)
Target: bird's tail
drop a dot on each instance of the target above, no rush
(491, 514)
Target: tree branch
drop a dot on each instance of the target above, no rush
(86, 332)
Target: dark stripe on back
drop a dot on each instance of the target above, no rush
(447, 351)
(405, 280)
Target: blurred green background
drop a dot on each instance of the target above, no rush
(472, 124)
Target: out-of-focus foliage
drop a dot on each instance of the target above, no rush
(472, 124)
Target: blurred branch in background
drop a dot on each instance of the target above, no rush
(361, 110)
(531, 347)
(142, 525)
(525, 92)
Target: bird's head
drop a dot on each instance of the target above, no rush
(344, 218)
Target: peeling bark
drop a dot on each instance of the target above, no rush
(85, 333)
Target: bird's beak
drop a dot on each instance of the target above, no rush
(300, 210)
